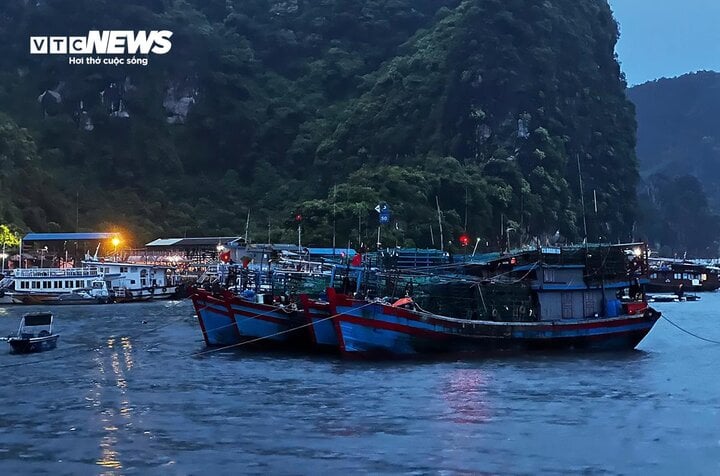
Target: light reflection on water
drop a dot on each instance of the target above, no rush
(149, 407)
(465, 394)
(110, 457)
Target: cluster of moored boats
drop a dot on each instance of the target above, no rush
(392, 303)
(585, 297)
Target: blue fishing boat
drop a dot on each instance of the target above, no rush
(227, 319)
(580, 298)
(323, 327)
(216, 320)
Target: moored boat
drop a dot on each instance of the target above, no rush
(679, 276)
(128, 282)
(227, 318)
(275, 308)
(323, 327)
(577, 298)
(35, 334)
(57, 286)
(380, 329)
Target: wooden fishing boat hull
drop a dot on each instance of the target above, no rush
(33, 344)
(216, 321)
(226, 319)
(378, 329)
(322, 327)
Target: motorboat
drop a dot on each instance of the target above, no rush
(35, 334)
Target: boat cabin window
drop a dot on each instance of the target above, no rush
(68, 284)
(132, 281)
(38, 320)
(24, 285)
(97, 285)
(653, 276)
(678, 276)
(123, 269)
(78, 283)
(57, 284)
(704, 277)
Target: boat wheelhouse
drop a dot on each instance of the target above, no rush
(138, 281)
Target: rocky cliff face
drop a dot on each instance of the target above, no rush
(679, 153)
(488, 105)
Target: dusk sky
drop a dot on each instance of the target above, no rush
(667, 38)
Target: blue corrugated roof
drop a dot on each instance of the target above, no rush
(329, 251)
(68, 236)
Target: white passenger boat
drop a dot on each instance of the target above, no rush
(137, 281)
(57, 286)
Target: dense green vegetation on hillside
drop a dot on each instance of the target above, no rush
(679, 153)
(324, 108)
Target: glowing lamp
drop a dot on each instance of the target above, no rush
(225, 257)
(464, 239)
(298, 218)
(115, 241)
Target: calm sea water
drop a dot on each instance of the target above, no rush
(124, 396)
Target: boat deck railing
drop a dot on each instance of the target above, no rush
(56, 272)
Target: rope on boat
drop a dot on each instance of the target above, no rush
(689, 332)
(258, 339)
(235, 322)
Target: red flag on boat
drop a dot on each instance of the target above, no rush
(225, 256)
(357, 260)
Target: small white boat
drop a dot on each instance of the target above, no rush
(35, 334)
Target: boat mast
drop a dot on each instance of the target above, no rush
(334, 203)
(582, 197)
(442, 241)
(247, 227)
(466, 208)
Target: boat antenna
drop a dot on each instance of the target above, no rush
(359, 211)
(247, 227)
(595, 200)
(442, 241)
(466, 207)
(582, 196)
(334, 203)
